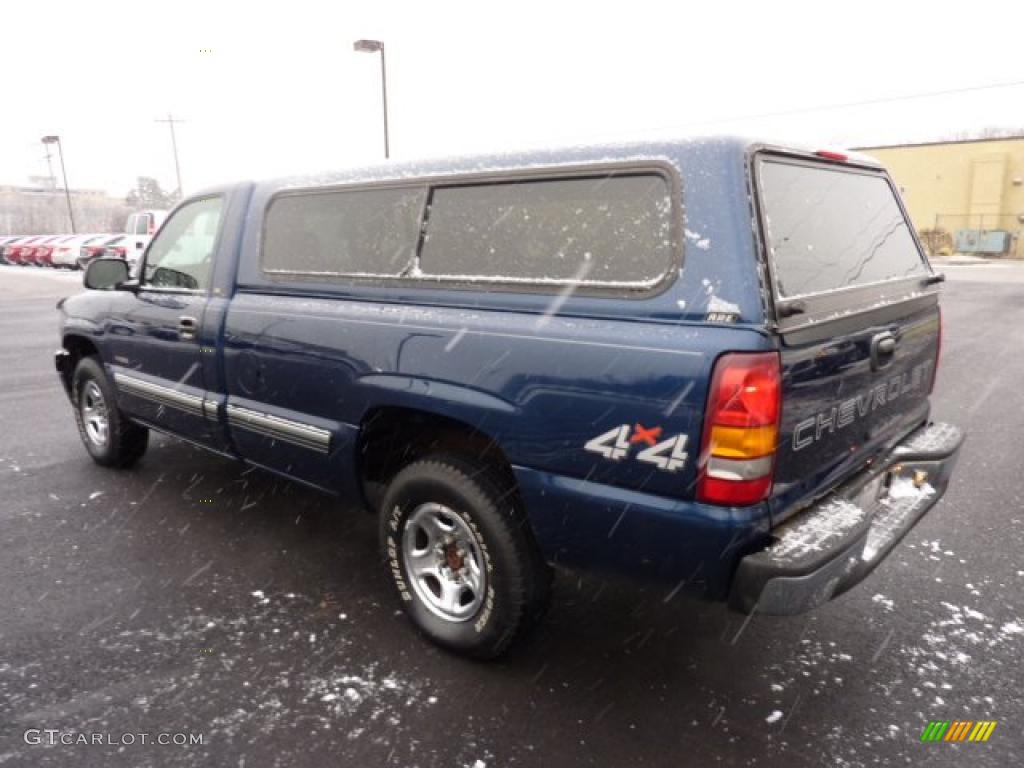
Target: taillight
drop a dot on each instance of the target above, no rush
(828, 154)
(741, 428)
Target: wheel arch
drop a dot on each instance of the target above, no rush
(78, 347)
(391, 437)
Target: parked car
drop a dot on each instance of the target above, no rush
(6, 241)
(96, 247)
(19, 251)
(67, 252)
(552, 362)
(42, 253)
(117, 248)
(29, 255)
(9, 244)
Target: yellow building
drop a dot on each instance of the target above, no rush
(963, 196)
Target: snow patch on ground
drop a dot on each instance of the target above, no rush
(319, 685)
(1012, 628)
(812, 668)
(884, 601)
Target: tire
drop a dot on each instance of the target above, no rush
(448, 513)
(109, 437)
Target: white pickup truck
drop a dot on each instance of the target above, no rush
(140, 228)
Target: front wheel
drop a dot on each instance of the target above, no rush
(462, 556)
(109, 437)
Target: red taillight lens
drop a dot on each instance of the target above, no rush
(828, 154)
(741, 425)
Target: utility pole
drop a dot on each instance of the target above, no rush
(171, 120)
(377, 46)
(67, 190)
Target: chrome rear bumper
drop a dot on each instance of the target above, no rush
(831, 546)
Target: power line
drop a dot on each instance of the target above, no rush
(864, 103)
(171, 120)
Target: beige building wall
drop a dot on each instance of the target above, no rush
(961, 184)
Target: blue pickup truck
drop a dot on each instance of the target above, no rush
(707, 362)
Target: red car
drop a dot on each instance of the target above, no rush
(98, 247)
(8, 246)
(113, 250)
(16, 253)
(42, 254)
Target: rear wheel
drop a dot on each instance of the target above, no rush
(462, 556)
(109, 437)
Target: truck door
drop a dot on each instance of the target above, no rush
(156, 334)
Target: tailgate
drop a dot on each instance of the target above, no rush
(857, 315)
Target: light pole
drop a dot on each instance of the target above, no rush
(49, 165)
(373, 46)
(64, 173)
(171, 120)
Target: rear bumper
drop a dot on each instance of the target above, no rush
(831, 546)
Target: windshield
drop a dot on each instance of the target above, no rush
(829, 228)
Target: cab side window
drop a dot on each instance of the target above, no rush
(180, 256)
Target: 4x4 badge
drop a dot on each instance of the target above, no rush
(669, 454)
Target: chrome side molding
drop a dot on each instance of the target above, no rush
(286, 430)
(160, 394)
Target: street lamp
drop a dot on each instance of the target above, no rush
(64, 173)
(373, 46)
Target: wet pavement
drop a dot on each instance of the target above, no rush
(193, 596)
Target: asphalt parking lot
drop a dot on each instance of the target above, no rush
(193, 596)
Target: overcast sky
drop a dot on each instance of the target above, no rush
(281, 90)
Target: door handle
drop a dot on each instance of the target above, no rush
(187, 327)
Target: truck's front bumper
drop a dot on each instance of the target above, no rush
(835, 543)
(63, 362)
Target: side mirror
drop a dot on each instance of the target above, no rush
(105, 274)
